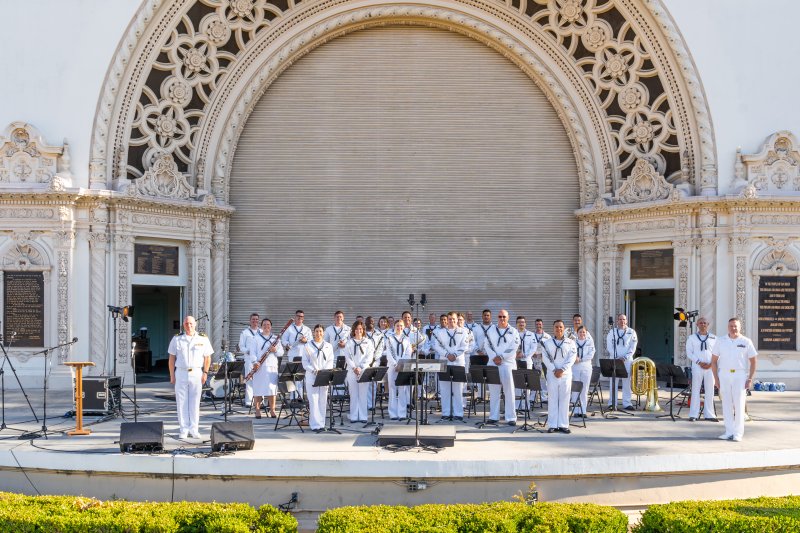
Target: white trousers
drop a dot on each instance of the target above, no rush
(445, 388)
(188, 386)
(317, 403)
(398, 397)
(248, 385)
(582, 372)
(626, 386)
(733, 394)
(558, 392)
(359, 395)
(705, 378)
(507, 381)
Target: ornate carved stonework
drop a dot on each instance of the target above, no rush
(644, 185)
(163, 180)
(27, 161)
(777, 259)
(24, 256)
(774, 170)
(741, 288)
(219, 57)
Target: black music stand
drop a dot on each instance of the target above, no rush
(527, 380)
(486, 375)
(291, 372)
(372, 376)
(227, 371)
(676, 377)
(453, 374)
(613, 369)
(404, 379)
(477, 360)
(330, 378)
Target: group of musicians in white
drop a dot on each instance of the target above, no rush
(566, 355)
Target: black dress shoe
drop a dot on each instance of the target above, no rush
(712, 420)
(459, 418)
(565, 430)
(393, 418)
(628, 407)
(490, 421)
(692, 419)
(551, 430)
(512, 423)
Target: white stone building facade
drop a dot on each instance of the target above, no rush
(679, 119)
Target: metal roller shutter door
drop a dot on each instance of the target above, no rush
(403, 159)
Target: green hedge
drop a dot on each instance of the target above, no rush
(68, 514)
(757, 515)
(478, 518)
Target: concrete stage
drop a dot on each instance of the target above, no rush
(630, 462)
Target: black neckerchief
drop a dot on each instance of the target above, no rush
(580, 349)
(620, 337)
(501, 338)
(703, 345)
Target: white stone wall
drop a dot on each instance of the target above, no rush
(746, 54)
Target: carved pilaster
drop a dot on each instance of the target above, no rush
(201, 259)
(740, 247)
(123, 244)
(218, 256)
(98, 251)
(684, 249)
(589, 289)
(708, 278)
(65, 243)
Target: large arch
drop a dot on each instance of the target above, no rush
(187, 74)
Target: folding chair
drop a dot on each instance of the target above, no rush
(577, 387)
(596, 390)
(294, 407)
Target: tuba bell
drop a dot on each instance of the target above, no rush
(643, 382)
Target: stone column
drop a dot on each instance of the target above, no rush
(589, 309)
(218, 259)
(684, 249)
(123, 265)
(98, 278)
(201, 256)
(609, 296)
(740, 248)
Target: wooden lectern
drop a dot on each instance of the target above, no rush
(78, 366)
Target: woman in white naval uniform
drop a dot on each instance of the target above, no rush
(558, 357)
(582, 369)
(359, 355)
(397, 347)
(189, 359)
(317, 355)
(265, 380)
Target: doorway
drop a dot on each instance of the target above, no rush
(651, 311)
(156, 320)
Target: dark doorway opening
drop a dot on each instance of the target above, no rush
(651, 317)
(156, 320)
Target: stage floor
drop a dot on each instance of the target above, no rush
(628, 462)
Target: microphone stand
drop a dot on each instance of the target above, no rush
(3, 388)
(44, 431)
(133, 365)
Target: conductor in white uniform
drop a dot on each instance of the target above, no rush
(189, 359)
(621, 344)
(501, 344)
(733, 361)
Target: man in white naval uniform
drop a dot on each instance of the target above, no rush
(247, 335)
(539, 336)
(378, 340)
(397, 348)
(577, 323)
(413, 334)
(427, 331)
(501, 346)
(296, 336)
(470, 339)
(527, 347)
(189, 359)
(337, 334)
(558, 356)
(450, 344)
(733, 362)
(481, 330)
(470, 324)
(699, 348)
(621, 344)
(317, 355)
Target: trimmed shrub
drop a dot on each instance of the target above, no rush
(756, 515)
(68, 514)
(501, 517)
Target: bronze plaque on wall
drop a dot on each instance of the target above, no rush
(777, 313)
(651, 264)
(23, 308)
(155, 259)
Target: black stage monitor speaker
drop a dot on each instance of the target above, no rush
(141, 437)
(226, 436)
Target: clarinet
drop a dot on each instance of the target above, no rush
(264, 356)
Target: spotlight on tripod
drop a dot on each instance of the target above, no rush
(411, 300)
(423, 300)
(121, 312)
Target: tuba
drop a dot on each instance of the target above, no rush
(643, 382)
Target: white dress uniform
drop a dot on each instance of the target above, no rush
(621, 344)
(417, 339)
(503, 343)
(317, 357)
(265, 380)
(470, 339)
(291, 338)
(451, 342)
(582, 371)
(378, 347)
(190, 353)
(427, 331)
(333, 335)
(539, 338)
(396, 349)
(245, 340)
(358, 354)
(732, 367)
(527, 347)
(699, 350)
(558, 355)
(480, 336)
(472, 326)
